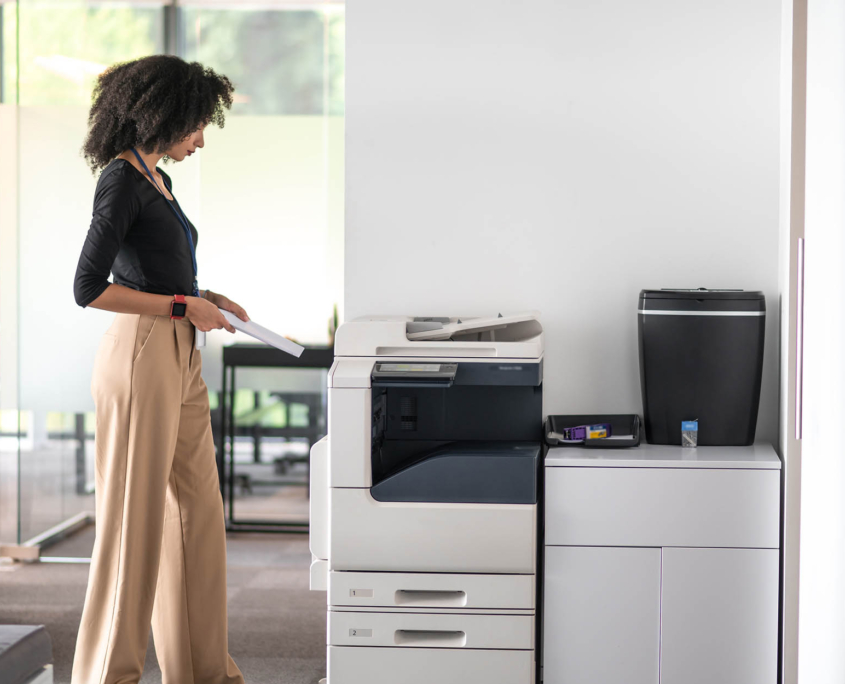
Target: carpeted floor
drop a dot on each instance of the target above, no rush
(277, 627)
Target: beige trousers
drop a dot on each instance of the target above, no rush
(160, 550)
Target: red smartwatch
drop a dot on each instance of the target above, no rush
(178, 307)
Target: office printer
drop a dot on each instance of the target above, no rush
(424, 498)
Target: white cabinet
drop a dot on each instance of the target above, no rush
(726, 599)
(605, 625)
(661, 566)
(662, 507)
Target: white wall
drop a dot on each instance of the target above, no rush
(562, 155)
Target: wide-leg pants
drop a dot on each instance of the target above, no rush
(159, 556)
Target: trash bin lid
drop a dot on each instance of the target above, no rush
(701, 299)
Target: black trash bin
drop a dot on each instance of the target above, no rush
(701, 358)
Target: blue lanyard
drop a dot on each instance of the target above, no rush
(182, 219)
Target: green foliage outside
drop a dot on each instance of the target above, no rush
(9, 421)
(278, 60)
(61, 46)
(269, 411)
(287, 62)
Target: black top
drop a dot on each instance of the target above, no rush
(136, 236)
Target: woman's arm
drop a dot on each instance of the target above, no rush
(201, 312)
(116, 207)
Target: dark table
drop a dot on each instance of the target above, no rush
(259, 356)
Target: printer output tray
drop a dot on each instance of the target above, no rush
(475, 472)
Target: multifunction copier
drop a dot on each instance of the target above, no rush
(424, 500)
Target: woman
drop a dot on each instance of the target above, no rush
(160, 550)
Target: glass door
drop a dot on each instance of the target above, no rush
(266, 194)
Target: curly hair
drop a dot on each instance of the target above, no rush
(152, 103)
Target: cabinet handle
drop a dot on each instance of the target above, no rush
(799, 344)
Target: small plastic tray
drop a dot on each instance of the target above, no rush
(625, 429)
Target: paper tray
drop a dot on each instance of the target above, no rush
(625, 429)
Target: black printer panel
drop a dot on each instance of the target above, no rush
(464, 413)
(414, 420)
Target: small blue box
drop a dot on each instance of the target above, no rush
(689, 433)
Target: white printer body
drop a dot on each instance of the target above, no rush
(424, 501)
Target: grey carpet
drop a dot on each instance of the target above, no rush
(277, 627)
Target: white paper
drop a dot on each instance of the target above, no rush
(259, 332)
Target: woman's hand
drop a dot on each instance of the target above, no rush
(226, 304)
(205, 315)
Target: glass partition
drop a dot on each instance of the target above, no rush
(272, 177)
(52, 53)
(266, 194)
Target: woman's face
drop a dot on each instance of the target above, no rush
(187, 146)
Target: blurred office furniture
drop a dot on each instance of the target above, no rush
(26, 655)
(81, 431)
(250, 424)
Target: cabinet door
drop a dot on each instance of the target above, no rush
(601, 615)
(720, 616)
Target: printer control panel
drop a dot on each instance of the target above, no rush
(401, 372)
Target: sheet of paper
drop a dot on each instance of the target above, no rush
(259, 332)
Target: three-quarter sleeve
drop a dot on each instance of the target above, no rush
(116, 207)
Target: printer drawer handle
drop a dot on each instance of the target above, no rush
(415, 597)
(430, 637)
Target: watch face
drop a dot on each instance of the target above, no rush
(178, 309)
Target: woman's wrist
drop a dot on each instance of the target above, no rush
(209, 295)
(193, 304)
